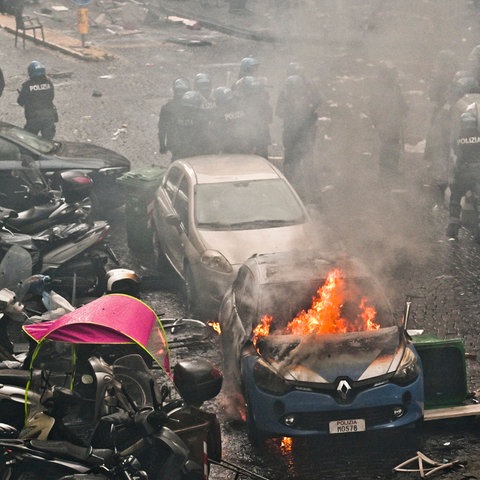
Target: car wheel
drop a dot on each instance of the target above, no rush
(190, 293)
(256, 436)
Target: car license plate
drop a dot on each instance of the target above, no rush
(347, 426)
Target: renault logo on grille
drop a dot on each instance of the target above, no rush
(343, 388)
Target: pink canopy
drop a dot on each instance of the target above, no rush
(111, 319)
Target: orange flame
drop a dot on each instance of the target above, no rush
(326, 313)
(263, 328)
(286, 445)
(215, 326)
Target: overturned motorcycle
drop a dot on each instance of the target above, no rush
(171, 439)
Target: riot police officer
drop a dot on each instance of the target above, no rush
(466, 149)
(297, 106)
(194, 127)
(36, 96)
(255, 100)
(229, 125)
(168, 131)
(388, 111)
(203, 84)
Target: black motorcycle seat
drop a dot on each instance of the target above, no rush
(19, 378)
(32, 215)
(92, 456)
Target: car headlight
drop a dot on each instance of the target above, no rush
(408, 370)
(216, 261)
(267, 379)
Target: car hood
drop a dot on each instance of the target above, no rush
(324, 358)
(89, 153)
(238, 245)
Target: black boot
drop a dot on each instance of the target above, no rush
(452, 231)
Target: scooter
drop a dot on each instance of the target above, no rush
(170, 440)
(74, 255)
(61, 198)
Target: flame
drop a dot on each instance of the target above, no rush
(286, 444)
(263, 328)
(326, 313)
(215, 326)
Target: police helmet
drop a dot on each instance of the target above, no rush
(466, 85)
(180, 86)
(202, 81)
(36, 69)
(192, 99)
(468, 121)
(223, 95)
(123, 280)
(248, 66)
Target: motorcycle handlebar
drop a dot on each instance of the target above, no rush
(157, 419)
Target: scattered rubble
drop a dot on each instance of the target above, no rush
(425, 465)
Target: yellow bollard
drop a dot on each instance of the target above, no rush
(82, 16)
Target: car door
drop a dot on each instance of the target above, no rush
(178, 242)
(168, 222)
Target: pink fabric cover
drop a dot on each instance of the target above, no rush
(118, 319)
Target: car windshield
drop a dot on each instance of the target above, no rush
(284, 302)
(33, 141)
(246, 205)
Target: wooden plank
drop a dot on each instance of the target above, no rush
(451, 412)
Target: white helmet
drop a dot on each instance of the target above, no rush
(123, 280)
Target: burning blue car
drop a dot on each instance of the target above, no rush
(313, 346)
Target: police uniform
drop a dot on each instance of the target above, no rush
(297, 107)
(36, 96)
(466, 173)
(230, 126)
(168, 131)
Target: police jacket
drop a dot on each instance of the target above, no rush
(467, 148)
(36, 96)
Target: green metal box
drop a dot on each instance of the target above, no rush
(444, 370)
(139, 187)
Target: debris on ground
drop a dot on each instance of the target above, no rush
(425, 465)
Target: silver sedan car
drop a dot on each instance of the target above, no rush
(212, 212)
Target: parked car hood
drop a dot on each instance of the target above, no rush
(323, 358)
(89, 152)
(238, 245)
